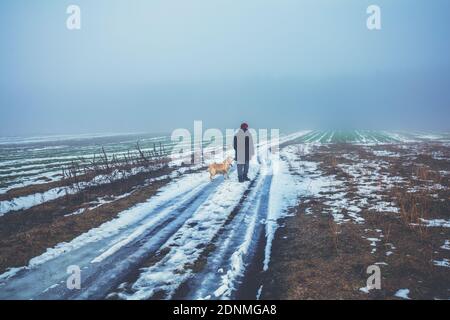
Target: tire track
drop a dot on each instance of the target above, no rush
(235, 248)
(47, 280)
(216, 225)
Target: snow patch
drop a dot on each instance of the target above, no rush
(446, 245)
(436, 223)
(442, 263)
(403, 293)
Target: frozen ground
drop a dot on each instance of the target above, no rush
(196, 239)
(360, 204)
(186, 217)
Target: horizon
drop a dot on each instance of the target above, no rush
(22, 139)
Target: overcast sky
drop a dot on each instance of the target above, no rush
(156, 65)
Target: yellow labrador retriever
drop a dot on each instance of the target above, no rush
(220, 168)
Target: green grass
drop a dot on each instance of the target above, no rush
(354, 136)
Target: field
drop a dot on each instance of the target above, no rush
(307, 226)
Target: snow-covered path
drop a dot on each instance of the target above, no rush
(190, 220)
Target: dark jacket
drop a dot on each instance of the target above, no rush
(243, 146)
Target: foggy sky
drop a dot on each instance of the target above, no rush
(156, 65)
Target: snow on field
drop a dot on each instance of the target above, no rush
(236, 265)
(10, 273)
(370, 177)
(442, 263)
(25, 162)
(58, 138)
(436, 223)
(403, 293)
(291, 178)
(400, 137)
(100, 201)
(29, 201)
(373, 243)
(186, 245)
(284, 192)
(38, 159)
(430, 136)
(26, 202)
(384, 206)
(439, 155)
(310, 182)
(342, 206)
(126, 218)
(32, 170)
(385, 153)
(187, 242)
(446, 245)
(365, 289)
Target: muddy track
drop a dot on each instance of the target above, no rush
(98, 277)
(120, 258)
(239, 239)
(220, 223)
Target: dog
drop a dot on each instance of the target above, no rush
(220, 168)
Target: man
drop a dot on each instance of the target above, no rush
(244, 151)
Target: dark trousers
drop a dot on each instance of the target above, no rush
(242, 170)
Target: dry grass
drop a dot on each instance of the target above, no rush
(84, 169)
(331, 161)
(112, 167)
(413, 209)
(335, 230)
(424, 173)
(322, 260)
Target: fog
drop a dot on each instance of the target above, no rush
(157, 65)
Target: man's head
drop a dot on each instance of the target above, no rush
(244, 126)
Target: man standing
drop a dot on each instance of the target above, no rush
(244, 151)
